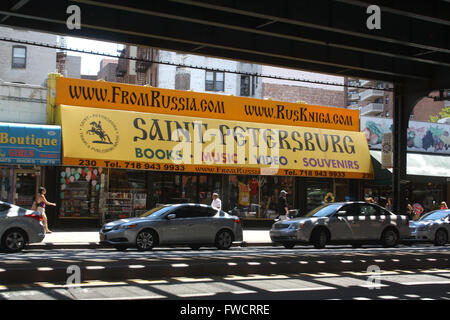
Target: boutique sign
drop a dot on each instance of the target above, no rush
(146, 141)
(30, 144)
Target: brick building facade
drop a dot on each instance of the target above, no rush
(314, 96)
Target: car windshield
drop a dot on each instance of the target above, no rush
(436, 215)
(157, 212)
(324, 210)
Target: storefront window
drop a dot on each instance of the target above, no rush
(155, 197)
(207, 186)
(82, 192)
(127, 196)
(172, 192)
(5, 187)
(429, 195)
(186, 188)
(270, 193)
(317, 193)
(189, 188)
(256, 197)
(25, 188)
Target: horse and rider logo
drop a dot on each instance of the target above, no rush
(99, 133)
(96, 129)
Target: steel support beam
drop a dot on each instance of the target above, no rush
(407, 95)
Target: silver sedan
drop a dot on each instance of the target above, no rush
(353, 223)
(432, 227)
(194, 225)
(18, 227)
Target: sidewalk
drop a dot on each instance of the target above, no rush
(89, 239)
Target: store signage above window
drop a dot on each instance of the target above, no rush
(145, 141)
(117, 96)
(29, 144)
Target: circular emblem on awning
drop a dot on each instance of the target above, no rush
(99, 133)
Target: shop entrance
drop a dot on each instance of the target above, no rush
(25, 187)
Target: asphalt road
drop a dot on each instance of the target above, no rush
(429, 284)
(56, 266)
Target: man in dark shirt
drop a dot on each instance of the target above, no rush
(282, 205)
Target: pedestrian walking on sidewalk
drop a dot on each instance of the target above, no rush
(282, 205)
(41, 202)
(216, 203)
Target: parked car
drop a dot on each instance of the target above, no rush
(431, 227)
(19, 227)
(190, 224)
(353, 223)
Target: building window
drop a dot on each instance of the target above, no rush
(214, 81)
(387, 99)
(19, 57)
(245, 86)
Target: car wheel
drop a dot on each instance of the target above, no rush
(224, 240)
(14, 240)
(389, 238)
(145, 240)
(288, 245)
(441, 237)
(319, 239)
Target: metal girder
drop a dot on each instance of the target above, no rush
(211, 18)
(328, 36)
(435, 11)
(340, 16)
(263, 47)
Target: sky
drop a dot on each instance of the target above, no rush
(90, 64)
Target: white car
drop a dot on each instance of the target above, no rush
(432, 227)
(19, 227)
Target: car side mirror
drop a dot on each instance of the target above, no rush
(171, 216)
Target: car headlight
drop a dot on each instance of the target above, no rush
(125, 226)
(297, 225)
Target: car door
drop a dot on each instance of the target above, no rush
(369, 221)
(204, 225)
(341, 223)
(4, 208)
(177, 229)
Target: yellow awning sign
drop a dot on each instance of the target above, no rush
(146, 141)
(119, 96)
